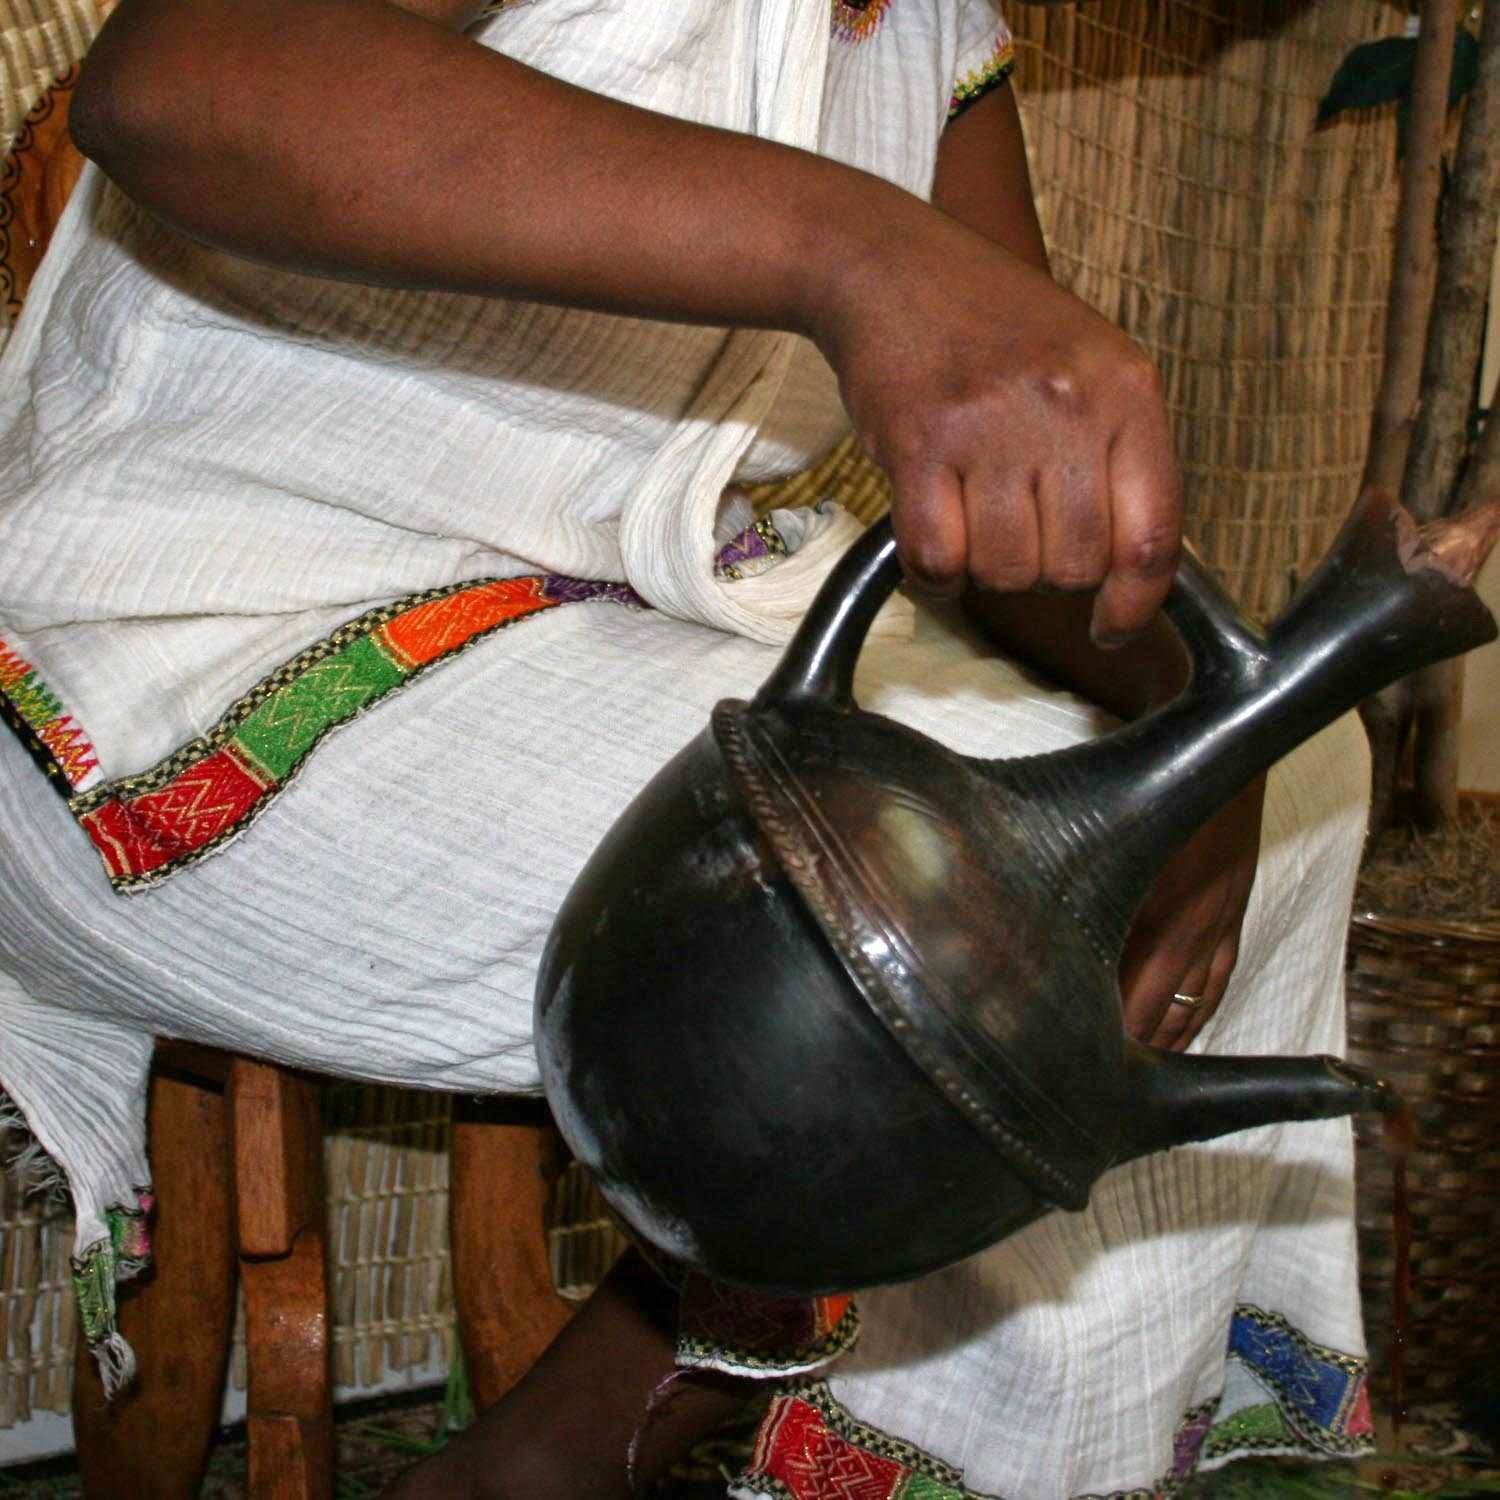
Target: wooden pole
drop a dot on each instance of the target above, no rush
(1387, 715)
(1440, 442)
(1414, 267)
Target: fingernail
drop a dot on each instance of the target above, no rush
(934, 588)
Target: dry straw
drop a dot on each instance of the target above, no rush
(1187, 195)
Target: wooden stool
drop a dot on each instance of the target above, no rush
(237, 1165)
(236, 1151)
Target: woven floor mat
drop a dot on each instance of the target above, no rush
(377, 1440)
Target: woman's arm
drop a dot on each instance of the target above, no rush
(1025, 437)
(366, 140)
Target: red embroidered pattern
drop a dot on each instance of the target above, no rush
(809, 1448)
(138, 836)
(147, 826)
(190, 804)
(813, 1462)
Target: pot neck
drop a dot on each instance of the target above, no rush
(1110, 813)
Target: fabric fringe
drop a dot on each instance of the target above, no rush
(116, 1363)
(23, 1157)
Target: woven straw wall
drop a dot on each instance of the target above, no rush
(1187, 195)
(36, 1304)
(386, 1163)
(39, 41)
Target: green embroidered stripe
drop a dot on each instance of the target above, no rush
(284, 728)
(921, 1487)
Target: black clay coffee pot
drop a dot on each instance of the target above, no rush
(832, 1005)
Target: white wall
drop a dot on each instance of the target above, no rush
(1479, 735)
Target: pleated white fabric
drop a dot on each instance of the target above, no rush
(206, 464)
(384, 918)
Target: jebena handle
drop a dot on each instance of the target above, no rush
(818, 664)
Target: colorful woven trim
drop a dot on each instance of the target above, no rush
(756, 550)
(811, 1448)
(858, 20)
(148, 826)
(51, 736)
(1321, 1401)
(123, 1253)
(973, 86)
(1187, 1442)
(743, 1332)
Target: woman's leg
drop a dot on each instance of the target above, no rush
(602, 1413)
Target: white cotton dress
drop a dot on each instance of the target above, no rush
(240, 509)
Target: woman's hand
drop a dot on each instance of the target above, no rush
(1032, 378)
(1187, 935)
(1025, 437)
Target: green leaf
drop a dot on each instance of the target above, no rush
(1465, 65)
(1373, 73)
(1376, 73)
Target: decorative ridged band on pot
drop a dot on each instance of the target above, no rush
(1424, 1009)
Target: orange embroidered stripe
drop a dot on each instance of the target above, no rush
(146, 827)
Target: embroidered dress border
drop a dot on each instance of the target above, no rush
(748, 1333)
(1320, 1395)
(147, 827)
(53, 739)
(195, 801)
(973, 86)
(123, 1253)
(810, 1447)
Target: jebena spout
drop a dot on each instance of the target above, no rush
(1188, 1097)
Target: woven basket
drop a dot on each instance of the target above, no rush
(1424, 1010)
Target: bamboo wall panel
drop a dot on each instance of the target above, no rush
(1188, 194)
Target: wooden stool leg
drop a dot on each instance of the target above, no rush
(153, 1438)
(503, 1160)
(278, 1155)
